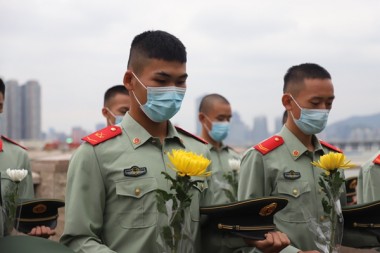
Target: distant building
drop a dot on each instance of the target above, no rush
(260, 129)
(31, 110)
(239, 135)
(22, 110)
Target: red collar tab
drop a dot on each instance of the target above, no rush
(331, 146)
(269, 144)
(377, 160)
(181, 130)
(102, 135)
(11, 141)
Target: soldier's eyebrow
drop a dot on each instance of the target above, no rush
(166, 75)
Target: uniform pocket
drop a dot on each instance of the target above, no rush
(138, 199)
(298, 194)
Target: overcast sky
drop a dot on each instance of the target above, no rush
(76, 49)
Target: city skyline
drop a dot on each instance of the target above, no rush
(22, 110)
(240, 49)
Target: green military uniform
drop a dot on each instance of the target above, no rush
(111, 199)
(220, 167)
(211, 241)
(13, 156)
(281, 167)
(368, 188)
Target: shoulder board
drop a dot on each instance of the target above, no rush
(377, 160)
(331, 146)
(191, 135)
(11, 141)
(102, 135)
(269, 144)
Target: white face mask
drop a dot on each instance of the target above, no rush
(311, 121)
(118, 118)
(162, 102)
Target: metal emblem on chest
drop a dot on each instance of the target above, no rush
(292, 175)
(135, 171)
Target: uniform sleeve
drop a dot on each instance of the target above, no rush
(85, 201)
(252, 182)
(368, 183)
(27, 190)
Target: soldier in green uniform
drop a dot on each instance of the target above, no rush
(14, 156)
(368, 188)
(281, 165)
(116, 103)
(112, 180)
(214, 115)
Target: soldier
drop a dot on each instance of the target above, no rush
(214, 115)
(111, 201)
(368, 188)
(281, 165)
(116, 103)
(14, 156)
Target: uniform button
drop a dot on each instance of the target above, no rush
(136, 140)
(320, 190)
(137, 191)
(202, 186)
(295, 192)
(276, 139)
(296, 152)
(322, 218)
(113, 129)
(165, 152)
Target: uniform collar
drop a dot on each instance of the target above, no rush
(138, 135)
(295, 146)
(223, 147)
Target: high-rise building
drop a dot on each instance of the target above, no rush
(31, 110)
(22, 110)
(260, 129)
(12, 110)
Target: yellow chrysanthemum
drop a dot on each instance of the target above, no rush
(189, 163)
(333, 161)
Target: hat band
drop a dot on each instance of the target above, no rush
(365, 225)
(39, 219)
(244, 228)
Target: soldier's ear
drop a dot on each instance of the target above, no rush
(128, 80)
(201, 117)
(286, 101)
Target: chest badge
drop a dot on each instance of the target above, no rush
(292, 175)
(135, 171)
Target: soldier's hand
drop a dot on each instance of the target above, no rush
(273, 243)
(42, 231)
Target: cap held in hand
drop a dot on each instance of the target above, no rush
(250, 219)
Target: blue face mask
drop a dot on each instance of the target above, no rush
(311, 121)
(219, 130)
(162, 102)
(118, 118)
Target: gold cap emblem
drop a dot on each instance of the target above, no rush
(40, 208)
(268, 210)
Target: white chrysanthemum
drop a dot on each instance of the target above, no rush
(234, 164)
(17, 175)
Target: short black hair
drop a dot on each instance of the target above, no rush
(208, 100)
(2, 87)
(297, 74)
(113, 91)
(155, 45)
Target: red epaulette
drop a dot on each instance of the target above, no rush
(326, 144)
(377, 160)
(11, 141)
(269, 144)
(102, 135)
(191, 135)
